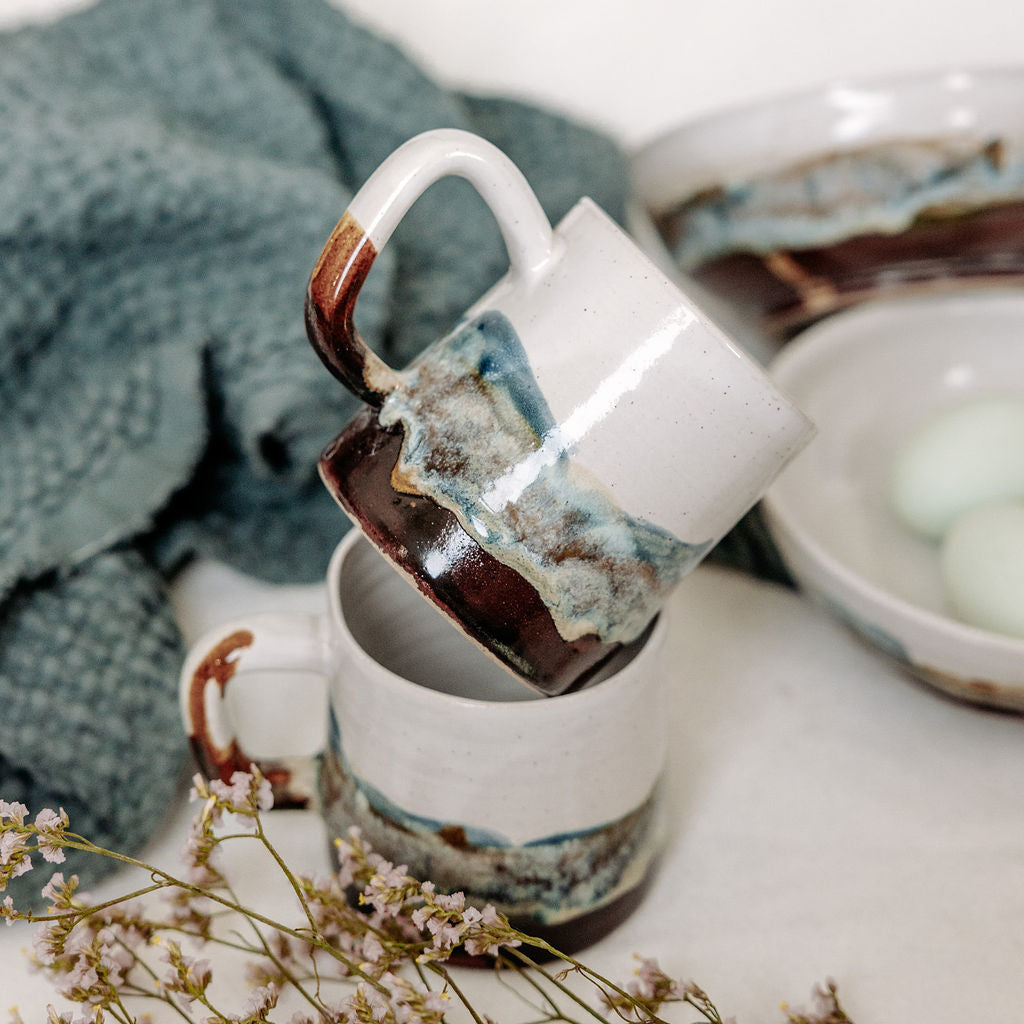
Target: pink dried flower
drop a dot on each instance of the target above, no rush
(487, 932)
(13, 845)
(650, 982)
(7, 910)
(15, 842)
(199, 848)
(261, 1002)
(648, 990)
(58, 892)
(247, 793)
(372, 949)
(14, 811)
(50, 826)
(196, 977)
(67, 1017)
(80, 980)
(386, 889)
(50, 938)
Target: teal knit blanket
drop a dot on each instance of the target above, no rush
(168, 174)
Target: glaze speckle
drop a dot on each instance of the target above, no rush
(481, 441)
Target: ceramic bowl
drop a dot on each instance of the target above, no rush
(868, 377)
(794, 208)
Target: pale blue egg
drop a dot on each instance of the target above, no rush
(983, 567)
(963, 456)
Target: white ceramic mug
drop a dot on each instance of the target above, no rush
(548, 808)
(547, 472)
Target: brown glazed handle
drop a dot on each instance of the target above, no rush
(285, 649)
(374, 214)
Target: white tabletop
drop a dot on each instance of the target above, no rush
(831, 818)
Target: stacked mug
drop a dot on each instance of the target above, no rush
(543, 476)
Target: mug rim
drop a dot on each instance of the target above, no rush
(604, 690)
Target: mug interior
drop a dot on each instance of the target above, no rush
(404, 633)
(401, 631)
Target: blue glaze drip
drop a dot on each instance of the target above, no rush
(481, 440)
(502, 362)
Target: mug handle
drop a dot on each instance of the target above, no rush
(373, 215)
(287, 647)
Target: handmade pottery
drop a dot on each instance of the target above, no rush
(547, 808)
(547, 472)
(794, 208)
(870, 377)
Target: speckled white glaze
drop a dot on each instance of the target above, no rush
(682, 428)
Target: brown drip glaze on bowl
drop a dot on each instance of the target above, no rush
(787, 290)
(494, 605)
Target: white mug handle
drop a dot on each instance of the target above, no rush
(290, 648)
(373, 215)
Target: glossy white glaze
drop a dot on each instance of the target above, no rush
(650, 397)
(679, 425)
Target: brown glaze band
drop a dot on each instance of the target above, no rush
(334, 286)
(786, 290)
(493, 603)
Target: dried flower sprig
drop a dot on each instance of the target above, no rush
(391, 948)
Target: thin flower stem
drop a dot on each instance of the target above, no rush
(297, 889)
(93, 908)
(449, 981)
(554, 1012)
(169, 881)
(556, 983)
(710, 1015)
(263, 947)
(586, 972)
(137, 992)
(418, 967)
(293, 979)
(119, 1015)
(287, 872)
(119, 1006)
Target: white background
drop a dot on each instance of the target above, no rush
(637, 67)
(829, 817)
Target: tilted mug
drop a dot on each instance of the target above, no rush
(551, 809)
(547, 472)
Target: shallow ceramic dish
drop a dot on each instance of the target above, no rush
(867, 377)
(794, 208)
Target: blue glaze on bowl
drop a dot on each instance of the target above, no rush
(881, 189)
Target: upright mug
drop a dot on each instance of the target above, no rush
(546, 473)
(552, 809)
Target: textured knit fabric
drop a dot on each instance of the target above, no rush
(168, 174)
